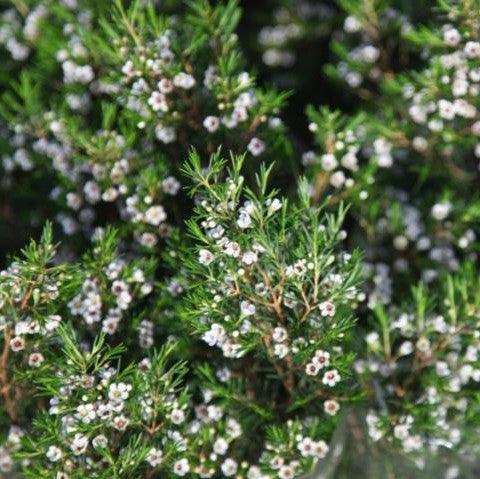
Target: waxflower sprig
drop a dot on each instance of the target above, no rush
(226, 333)
(427, 354)
(274, 299)
(179, 84)
(106, 420)
(37, 295)
(158, 100)
(371, 46)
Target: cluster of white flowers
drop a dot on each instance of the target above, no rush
(167, 100)
(26, 330)
(341, 161)
(294, 22)
(460, 86)
(285, 462)
(105, 299)
(8, 448)
(253, 296)
(366, 40)
(447, 358)
(98, 182)
(18, 32)
(95, 399)
(238, 264)
(19, 158)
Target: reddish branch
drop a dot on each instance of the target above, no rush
(6, 387)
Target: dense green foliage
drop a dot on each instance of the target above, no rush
(256, 216)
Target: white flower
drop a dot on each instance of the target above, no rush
(372, 338)
(320, 449)
(52, 322)
(100, 442)
(229, 467)
(73, 73)
(321, 359)
(165, 85)
(370, 54)
(119, 391)
(247, 309)
(254, 472)
(155, 215)
(79, 444)
(331, 407)
(286, 472)
(205, 257)
(17, 343)
(120, 423)
(350, 161)
(305, 446)
(128, 69)
(177, 416)
(158, 101)
(412, 443)
(446, 109)
(181, 467)
(330, 378)
(244, 221)
(337, 179)
(280, 350)
(441, 210)
(92, 192)
(233, 429)
(312, 369)
(249, 258)
(452, 37)
(154, 457)
(476, 128)
(183, 80)
(215, 336)
(211, 123)
(352, 24)
(276, 462)
(472, 49)
(54, 453)
(231, 248)
(220, 446)
(166, 134)
(170, 185)
(327, 308)
(256, 146)
(86, 413)
(279, 334)
(274, 205)
(328, 162)
(35, 359)
(74, 201)
(406, 348)
(420, 144)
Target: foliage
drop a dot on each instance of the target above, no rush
(227, 267)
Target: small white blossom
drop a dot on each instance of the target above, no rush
(331, 407)
(247, 308)
(211, 123)
(181, 467)
(256, 147)
(154, 457)
(331, 378)
(54, 453)
(327, 308)
(205, 257)
(229, 467)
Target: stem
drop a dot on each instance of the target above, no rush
(6, 387)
